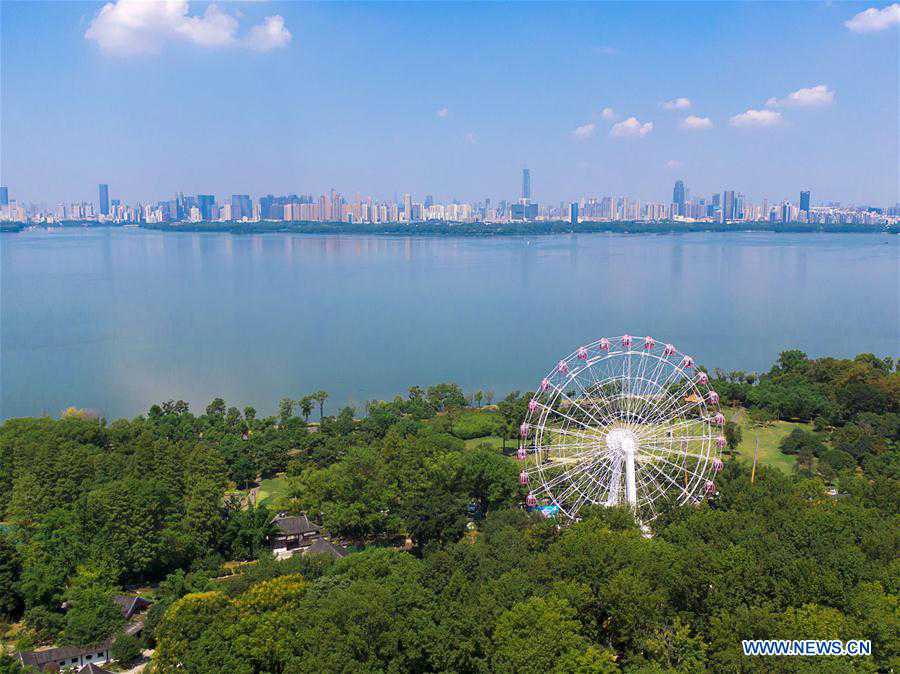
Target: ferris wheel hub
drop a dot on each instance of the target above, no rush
(621, 441)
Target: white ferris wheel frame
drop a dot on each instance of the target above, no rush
(612, 412)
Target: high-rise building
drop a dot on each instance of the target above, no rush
(241, 207)
(804, 201)
(104, 199)
(206, 203)
(727, 205)
(678, 196)
(573, 213)
(4, 196)
(526, 185)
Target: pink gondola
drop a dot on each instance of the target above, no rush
(713, 397)
(523, 477)
(719, 419)
(523, 430)
(721, 442)
(530, 501)
(649, 342)
(702, 378)
(545, 384)
(669, 350)
(710, 487)
(521, 454)
(718, 465)
(687, 362)
(582, 353)
(532, 405)
(626, 341)
(604, 344)
(563, 367)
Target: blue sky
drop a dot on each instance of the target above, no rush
(450, 99)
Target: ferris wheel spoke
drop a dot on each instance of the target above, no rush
(674, 452)
(569, 432)
(573, 402)
(663, 387)
(587, 495)
(669, 432)
(674, 399)
(569, 474)
(585, 395)
(650, 488)
(559, 413)
(681, 488)
(695, 476)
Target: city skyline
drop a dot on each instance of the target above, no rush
(268, 97)
(726, 206)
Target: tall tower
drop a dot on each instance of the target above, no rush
(526, 185)
(804, 201)
(104, 199)
(678, 196)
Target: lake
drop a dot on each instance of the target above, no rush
(118, 319)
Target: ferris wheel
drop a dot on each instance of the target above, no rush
(621, 421)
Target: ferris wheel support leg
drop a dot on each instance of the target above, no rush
(628, 447)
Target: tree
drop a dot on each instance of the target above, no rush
(320, 397)
(92, 616)
(306, 407)
(126, 648)
(733, 436)
(10, 570)
(216, 408)
(534, 635)
(479, 397)
(285, 409)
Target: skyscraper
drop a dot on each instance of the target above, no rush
(526, 185)
(678, 193)
(804, 201)
(205, 203)
(4, 196)
(727, 205)
(104, 199)
(241, 206)
(678, 196)
(573, 213)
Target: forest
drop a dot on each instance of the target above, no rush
(447, 571)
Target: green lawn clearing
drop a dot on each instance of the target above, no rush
(271, 489)
(770, 438)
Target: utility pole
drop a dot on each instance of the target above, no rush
(755, 456)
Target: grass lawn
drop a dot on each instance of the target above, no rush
(271, 489)
(770, 438)
(492, 440)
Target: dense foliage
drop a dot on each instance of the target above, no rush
(453, 575)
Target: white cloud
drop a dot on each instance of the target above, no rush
(128, 27)
(471, 138)
(270, 34)
(608, 114)
(676, 104)
(585, 131)
(874, 20)
(810, 97)
(606, 50)
(694, 123)
(674, 164)
(442, 112)
(630, 128)
(756, 118)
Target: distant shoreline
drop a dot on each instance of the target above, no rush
(476, 229)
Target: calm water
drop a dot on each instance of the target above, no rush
(116, 320)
